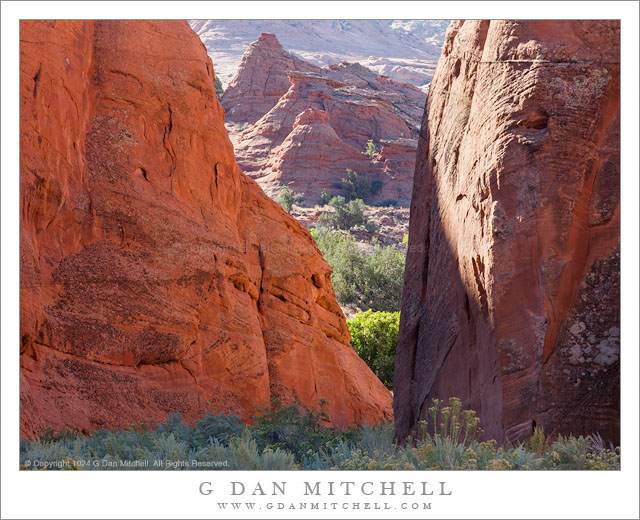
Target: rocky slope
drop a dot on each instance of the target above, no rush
(308, 125)
(511, 297)
(156, 277)
(404, 50)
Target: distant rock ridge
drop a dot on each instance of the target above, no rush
(154, 276)
(512, 285)
(358, 106)
(404, 50)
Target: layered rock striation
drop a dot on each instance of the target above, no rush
(511, 297)
(154, 276)
(295, 124)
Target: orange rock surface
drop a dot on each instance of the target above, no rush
(156, 277)
(512, 284)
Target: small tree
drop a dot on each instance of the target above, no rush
(218, 86)
(286, 198)
(371, 149)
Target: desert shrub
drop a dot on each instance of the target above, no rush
(370, 150)
(343, 215)
(348, 216)
(243, 453)
(383, 278)
(368, 279)
(218, 86)
(180, 431)
(295, 437)
(354, 186)
(217, 428)
(346, 260)
(389, 203)
(374, 336)
(325, 197)
(294, 428)
(287, 198)
(240, 127)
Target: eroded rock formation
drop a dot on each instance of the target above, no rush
(295, 124)
(156, 277)
(404, 50)
(511, 297)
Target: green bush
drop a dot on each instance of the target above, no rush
(346, 260)
(294, 437)
(287, 198)
(217, 428)
(355, 187)
(294, 429)
(374, 336)
(370, 150)
(343, 215)
(368, 279)
(347, 216)
(325, 197)
(382, 280)
(218, 86)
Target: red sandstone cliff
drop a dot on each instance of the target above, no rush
(511, 297)
(307, 125)
(156, 277)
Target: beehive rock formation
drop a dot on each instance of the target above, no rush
(261, 80)
(155, 277)
(511, 297)
(296, 124)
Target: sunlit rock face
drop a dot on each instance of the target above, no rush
(155, 277)
(511, 297)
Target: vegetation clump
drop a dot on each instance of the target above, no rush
(217, 84)
(294, 437)
(346, 215)
(371, 149)
(374, 336)
(287, 198)
(367, 278)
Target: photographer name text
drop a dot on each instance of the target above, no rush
(328, 488)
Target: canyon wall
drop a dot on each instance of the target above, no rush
(154, 276)
(511, 297)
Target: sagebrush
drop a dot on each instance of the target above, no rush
(294, 437)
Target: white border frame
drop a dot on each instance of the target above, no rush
(175, 494)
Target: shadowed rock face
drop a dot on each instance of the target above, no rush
(155, 277)
(511, 297)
